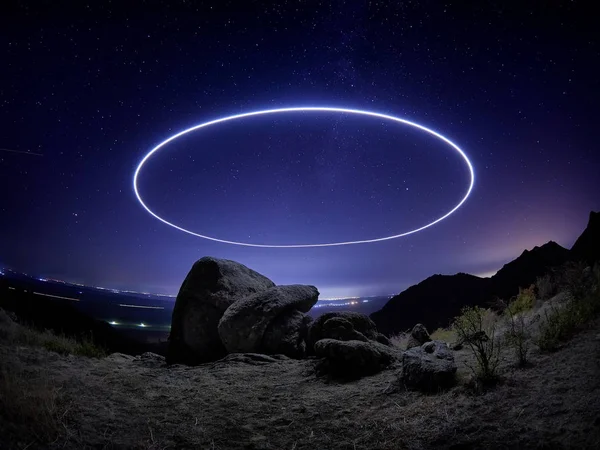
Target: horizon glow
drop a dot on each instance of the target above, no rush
(306, 109)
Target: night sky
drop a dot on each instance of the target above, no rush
(94, 86)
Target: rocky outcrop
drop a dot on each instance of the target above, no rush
(418, 336)
(429, 367)
(343, 320)
(244, 323)
(211, 286)
(353, 359)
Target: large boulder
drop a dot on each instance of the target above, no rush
(418, 336)
(429, 367)
(359, 322)
(286, 335)
(210, 287)
(243, 325)
(353, 359)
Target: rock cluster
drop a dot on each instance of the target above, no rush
(223, 307)
(211, 286)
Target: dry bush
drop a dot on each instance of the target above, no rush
(476, 327)
(400, 340)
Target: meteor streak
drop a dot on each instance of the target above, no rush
(20, 151)
(437, 135)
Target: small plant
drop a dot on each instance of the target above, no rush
(476, 328)
(517, 334)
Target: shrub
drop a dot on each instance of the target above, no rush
(476, 327)
(574, 280)
(524, 301)
(546, 288)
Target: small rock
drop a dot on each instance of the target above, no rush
(353, 359)
(429, 367)
(418, 336)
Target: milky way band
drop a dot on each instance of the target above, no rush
(304, 109)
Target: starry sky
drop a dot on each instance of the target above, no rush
(91, 87)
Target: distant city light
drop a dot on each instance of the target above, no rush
(114, 323)
(143, 325)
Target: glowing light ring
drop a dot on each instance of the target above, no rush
(304, 109)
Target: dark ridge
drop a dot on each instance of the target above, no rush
(587, 246)
(432, 302)
(524, 270)
(435, 301)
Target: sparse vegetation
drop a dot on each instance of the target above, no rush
(476, 328)
(59, 343)
(583, 305)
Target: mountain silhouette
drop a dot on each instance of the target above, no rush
(436, 300)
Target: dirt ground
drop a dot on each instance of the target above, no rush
(278, 403)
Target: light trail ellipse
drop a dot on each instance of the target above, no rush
(305, 109)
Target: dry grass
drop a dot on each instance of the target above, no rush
(31, 405)
(400, 340)
(444, 334)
